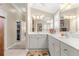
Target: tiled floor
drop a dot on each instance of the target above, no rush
(22, 52)
(19, 45)
(16, 52)
(17, 49)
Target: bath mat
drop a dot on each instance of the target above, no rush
(37, 53)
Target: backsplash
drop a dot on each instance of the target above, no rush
(73, 35)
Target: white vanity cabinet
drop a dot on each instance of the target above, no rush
(38, 41)
(54, 46)
(67, 50)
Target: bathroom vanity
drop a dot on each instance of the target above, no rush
(57, 45)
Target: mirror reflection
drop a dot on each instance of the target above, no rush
(41, 21)
(65, 18)
(69, 18)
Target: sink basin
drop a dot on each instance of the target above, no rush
(64, 37)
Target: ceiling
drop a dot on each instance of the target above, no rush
(47, 7)
(71, 10)
(68, 6)
(21, 7)
(54, 7)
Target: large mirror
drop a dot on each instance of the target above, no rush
(69, 18)
(64, 17)
(41, 21)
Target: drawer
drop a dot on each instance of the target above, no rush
(73, 51)
(38, 35)
(32, 36)
(68, 50)
(64, 49)
(42, 36)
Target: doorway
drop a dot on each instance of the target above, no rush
(18, 30)
(20, 42)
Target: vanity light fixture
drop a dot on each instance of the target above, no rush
(42, 16)
(38, 17)
(69, 17)
(34, 17)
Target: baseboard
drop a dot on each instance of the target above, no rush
(11, 45)
(37, 49)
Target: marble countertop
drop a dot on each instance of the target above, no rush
(73, 42)
(37, 33)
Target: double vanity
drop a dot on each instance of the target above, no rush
(63, 46)
(56, 45)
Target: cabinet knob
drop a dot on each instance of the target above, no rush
(65, 49)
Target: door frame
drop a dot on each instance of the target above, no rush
(3, 14)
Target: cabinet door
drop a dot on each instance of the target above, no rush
(42, 41)
(51, 45)
(33, 42)
(57, 47)
(54, 46)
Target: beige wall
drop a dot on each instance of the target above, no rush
(73, 25)
(11, 29)
(11, 23)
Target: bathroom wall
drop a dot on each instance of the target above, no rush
(11, 29)
(10, 23)
(73, 25)
(78, 20)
